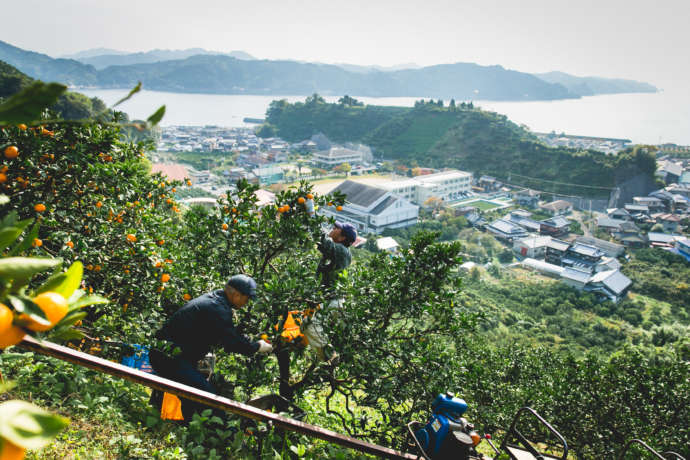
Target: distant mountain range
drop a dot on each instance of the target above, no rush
(113, 57)
(199, 71)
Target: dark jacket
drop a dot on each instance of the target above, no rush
(203, 323)
(334, 258)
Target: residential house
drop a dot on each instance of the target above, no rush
(527, 197)
(670, 222)
(372, 209)
(506, 230)
(669, 171)
(525, 222)
(653, 204)
(607, 247)
(661, 240)
(609, 225)
(532, 246)
(611, 283)
(557, 208)
(555, 226)
(638, 212)
(387, 244)
(629, 234)
(618, 214)
(556, 250)
(582, 257)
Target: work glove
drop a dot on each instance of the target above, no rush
(265, 347)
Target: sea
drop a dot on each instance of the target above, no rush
(643, 118)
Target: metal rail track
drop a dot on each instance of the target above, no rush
(209, 399)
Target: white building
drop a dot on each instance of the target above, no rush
(387, 244)
(447, 185)
(533, 247)
(371, 209)
(336, 156)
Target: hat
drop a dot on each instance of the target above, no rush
(244, 284)
(348, 231)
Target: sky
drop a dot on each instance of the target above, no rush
(633, 39)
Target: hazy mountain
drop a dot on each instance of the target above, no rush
(590, 86)
(44, 67)
(377, 68)
(93, 52)
(224, 74)
(104, 60)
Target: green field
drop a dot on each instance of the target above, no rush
(481, 205)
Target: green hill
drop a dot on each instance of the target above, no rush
(70, 106)
(462, 137)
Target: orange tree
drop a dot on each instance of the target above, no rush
(396, 323)
(98, 203)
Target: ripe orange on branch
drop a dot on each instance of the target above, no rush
(165, 278)
(53, 305)
(40, 207)
(301, 200)
(131, 238)
(11, 152)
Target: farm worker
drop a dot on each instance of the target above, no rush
(193, 330)
(335, 257)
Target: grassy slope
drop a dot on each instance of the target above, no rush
(469, 139)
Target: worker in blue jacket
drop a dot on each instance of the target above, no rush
(195, 329)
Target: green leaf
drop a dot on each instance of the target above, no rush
(64, 334)
(64, 283)
(26, 306)
(28, 426)
(134, 91)
(8, 235)
(28, 104)
(21, 269)
(71, 318)
(157, 116)
(26, 242)
(86, 301)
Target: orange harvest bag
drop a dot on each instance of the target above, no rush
(171, 409)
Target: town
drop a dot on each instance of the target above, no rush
(563, 237)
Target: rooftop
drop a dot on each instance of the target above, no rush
(557, 205)
(614, 280)
(360, 194)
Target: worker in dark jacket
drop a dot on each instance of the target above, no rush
(195, 329)
(335, 257)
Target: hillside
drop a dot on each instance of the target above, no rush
(590, 86)
(461, 137)
(43, 67)
(70, 106)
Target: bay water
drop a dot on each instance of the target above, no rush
(649, 118)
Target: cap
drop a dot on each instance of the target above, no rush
(348, 231)
(244, 284)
